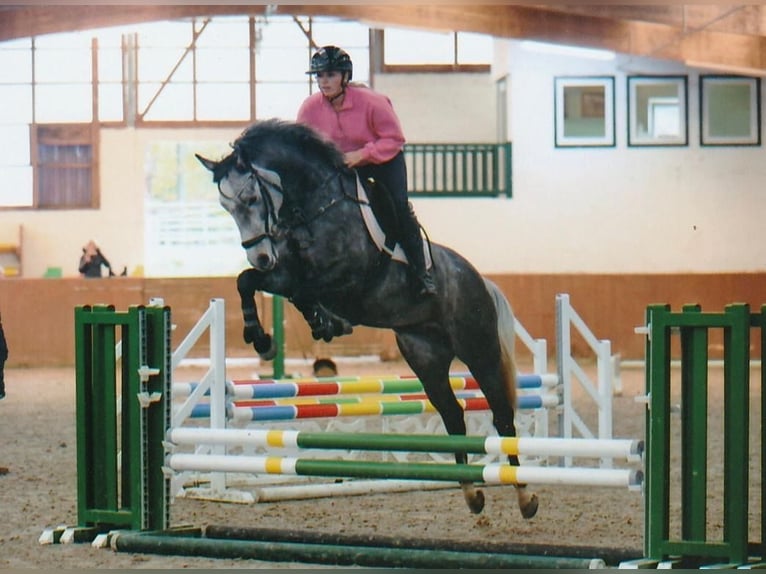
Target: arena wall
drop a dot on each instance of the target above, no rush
(38, 314)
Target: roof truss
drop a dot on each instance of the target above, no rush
(722, 37)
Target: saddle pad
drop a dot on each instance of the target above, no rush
(375, 231)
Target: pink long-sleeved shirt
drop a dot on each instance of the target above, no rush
(366, 121)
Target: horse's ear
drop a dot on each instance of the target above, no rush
(209, 164)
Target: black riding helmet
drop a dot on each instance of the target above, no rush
(329, 59)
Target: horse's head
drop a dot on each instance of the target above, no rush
(273, 163)
(253, 197)
(298, 153)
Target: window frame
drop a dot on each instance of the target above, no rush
(637, 140)
(562, 140)
(708, 139)
(65, 135)
(379, 38)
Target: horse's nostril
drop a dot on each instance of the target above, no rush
(265, 261)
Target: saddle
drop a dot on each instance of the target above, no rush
(381, 222)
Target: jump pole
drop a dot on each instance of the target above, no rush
(626, 449)
(195, 544)
(316, 386)
(448, 472)
(384, 407)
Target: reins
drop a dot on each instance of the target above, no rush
(298, 217)
(304, 219)
(271, 214)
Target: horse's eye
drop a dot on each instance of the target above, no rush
(251, 201)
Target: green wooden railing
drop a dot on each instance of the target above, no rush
(453, 170)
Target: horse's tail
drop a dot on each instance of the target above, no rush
(506, 332)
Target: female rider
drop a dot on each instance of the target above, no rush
(364, 126)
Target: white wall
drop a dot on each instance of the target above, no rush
(442, 108)
(608, 210)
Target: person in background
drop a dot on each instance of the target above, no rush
(324, 367)
(3, 358)
(364, 126)
(92, 260)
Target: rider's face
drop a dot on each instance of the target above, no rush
(330, 83)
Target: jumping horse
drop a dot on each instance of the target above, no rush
(299, 211)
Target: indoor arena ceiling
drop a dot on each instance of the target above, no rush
(725, 37)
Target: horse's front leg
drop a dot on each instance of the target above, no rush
(248, 282)
(324, 324)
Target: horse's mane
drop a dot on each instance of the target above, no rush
(291, 134)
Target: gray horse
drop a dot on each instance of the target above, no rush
(301, 217)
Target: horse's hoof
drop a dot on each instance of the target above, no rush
(322, 335)
(476, 502)
(321, 332)
(270, 354)
(265, 347)
(247, 335)
(530, 508)
(342, 327)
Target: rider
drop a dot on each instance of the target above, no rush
(363, 124)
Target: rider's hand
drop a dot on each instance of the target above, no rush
(353, 158)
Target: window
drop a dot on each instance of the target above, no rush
(730, 110)
(62, 75)
(584, 112)
(416, 50)
(657, 111)
(283, 54)
(186, 69)
(64, 165)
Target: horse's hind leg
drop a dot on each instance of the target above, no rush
(430, 359)
(503, 420)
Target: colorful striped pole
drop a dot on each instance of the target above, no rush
(616, 448)
(488, 474)
(290, 408)
(369, 408)
(311, 386)
(280, 388)
(346, 399)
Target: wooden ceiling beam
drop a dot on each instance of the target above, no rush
(704, 46)
(735, 19)
(722, 37)
(24, 22)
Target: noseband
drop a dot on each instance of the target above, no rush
(270, 217)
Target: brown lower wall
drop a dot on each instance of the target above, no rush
(38, 314)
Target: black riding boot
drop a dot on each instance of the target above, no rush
(412, 243)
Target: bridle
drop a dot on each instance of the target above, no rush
(270, 219)
(272, 224)
(255, 177)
